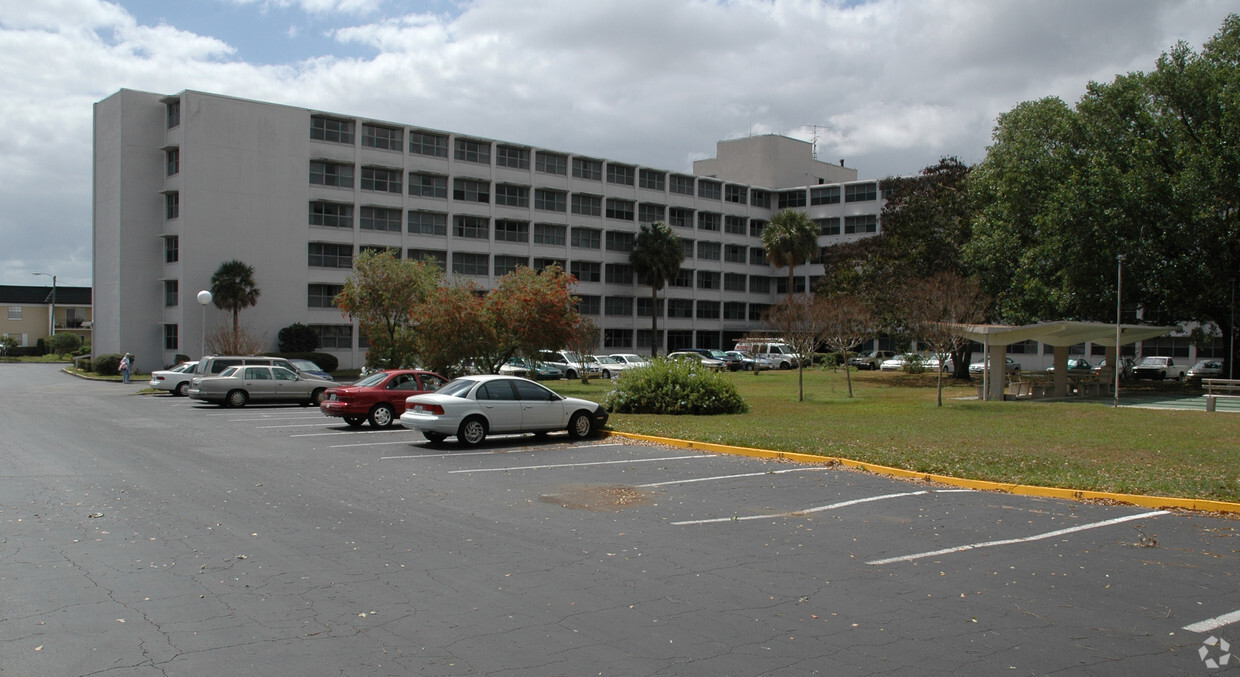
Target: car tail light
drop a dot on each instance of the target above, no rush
(432, 409)
(159, 378)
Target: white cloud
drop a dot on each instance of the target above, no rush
(358, 7)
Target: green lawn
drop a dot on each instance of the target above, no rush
(893, 421)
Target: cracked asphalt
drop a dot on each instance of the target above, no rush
(151, 535)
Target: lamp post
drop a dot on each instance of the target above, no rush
(1119, 292)
(52, 318)
(204, 297)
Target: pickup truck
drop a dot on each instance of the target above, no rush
(1159, 368)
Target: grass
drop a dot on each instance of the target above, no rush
(893, 421)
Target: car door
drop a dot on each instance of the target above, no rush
(287, 386)
(541, 409)
(500, 405)
(258, 383)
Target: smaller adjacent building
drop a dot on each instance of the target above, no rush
(28, 312)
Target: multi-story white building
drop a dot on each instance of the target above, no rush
(183, 183)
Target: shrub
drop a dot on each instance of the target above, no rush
(674, 387)
(298, 338)
(63, 343)
(107, 365)
(179, 358)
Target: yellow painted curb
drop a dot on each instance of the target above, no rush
(1161, 502)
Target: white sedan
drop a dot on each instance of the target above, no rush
(612, 365)
(471, 407)
(174, 380)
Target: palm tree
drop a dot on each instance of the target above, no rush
(232, 288)
(789, 239)
(656, 255)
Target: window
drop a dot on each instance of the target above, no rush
(652, 180)
(680, 308)
(757, 311)
(682, 185)
(644, 305)
(760, 198)
(791, 199)
(541, 263)
(474, 227)
(680, 217)
(709, 221)
(551, 163)
(171, 337)
(644, 339)
(329, 255)
(471, 190)
(620, 241)
(734, 282)
(781, 285)
(464, 263)
(331, 214)
(172, 249)
(428, 223)
(619, 273)
(829, 226)
(469, 150)
(617, 338)
(172, 158)
(384, 138)
(709, 251)
(379, 249)
(382, 180)
(511, 156)
(734, 253)
(620, 174)
(734, 225)
(587, 205)
(588, 304)
(323, 173)
(171, 295)
(755, 227)
(866, 223)
(733, 310)
(550, 233)
(172, 205)
(428, 185)
(585, 168)
(509, 195)
(708, 279)
(322, 295)
(711, 190)
(861, 192)
(649, 213)
(511, 231)
(174, 113)
(427, 143)
(757, 256)
(587, 238)
(824, 195)
(509, 264)
(686, 246)
(334, 336)
(619, 209)
(618, 306)
(379, 218)
(708, 310)
(323, 128)
(15, 313)
(684, 279)
(759, 284)
(550, 200)
(734, 193)
(436, 257)
(586, 271)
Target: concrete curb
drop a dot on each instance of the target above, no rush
(1159, 502)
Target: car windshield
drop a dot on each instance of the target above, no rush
(607, 359)
(305, 365)
(372, 380)
(458, 388)
(1152, 361)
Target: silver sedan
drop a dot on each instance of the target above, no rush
(236, 386)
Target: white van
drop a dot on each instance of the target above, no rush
(774, 354)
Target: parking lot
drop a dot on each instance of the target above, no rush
(374, 552)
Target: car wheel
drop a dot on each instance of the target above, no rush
(316, 397)
(381, 416)
(580, 426)
(570, 374)
(785, 365)
(181, 389)
(236, 398)
(606, 374)
(354, 421)
(434, 438)
(472, 431)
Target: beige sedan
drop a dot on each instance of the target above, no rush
(237, 386)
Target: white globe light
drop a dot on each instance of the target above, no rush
(204, 297)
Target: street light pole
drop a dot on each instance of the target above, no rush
(1119, 292)
(204, 297)
(52, 318)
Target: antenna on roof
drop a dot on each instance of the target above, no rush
(814, 139)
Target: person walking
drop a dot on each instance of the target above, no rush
(125, 365)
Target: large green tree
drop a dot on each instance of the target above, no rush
(656, 257)
(790, 238)
(233, 289)
(383, 294)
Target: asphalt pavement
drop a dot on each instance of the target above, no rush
(153, 535)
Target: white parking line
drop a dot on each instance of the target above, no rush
(1214, 623)
(1013, 541)
(291, 425)
(833, 506)
(354, 432)
(575, 465)
(728, 477)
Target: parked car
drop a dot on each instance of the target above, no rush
(527, 368)
(309, 368)
(1159, 368)
(570, 363)
(731, 362)
(380, 397)
(708, 362)
(1010, 365)
(1074, 364)
(780, 353)
(894, 363)
(749, 361)
(871, 359)
(238, 385)
(1126, 365)
(611, 366)
(471, 407)
(631, 359)
(213, 365)
(175, 380)
(931, 363)
(1206, 369)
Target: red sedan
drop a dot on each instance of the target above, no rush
(380, 397)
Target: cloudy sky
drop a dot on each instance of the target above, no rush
(888, 85)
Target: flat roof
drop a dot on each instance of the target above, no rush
(1064, 333)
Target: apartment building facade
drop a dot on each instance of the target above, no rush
(185, 182)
